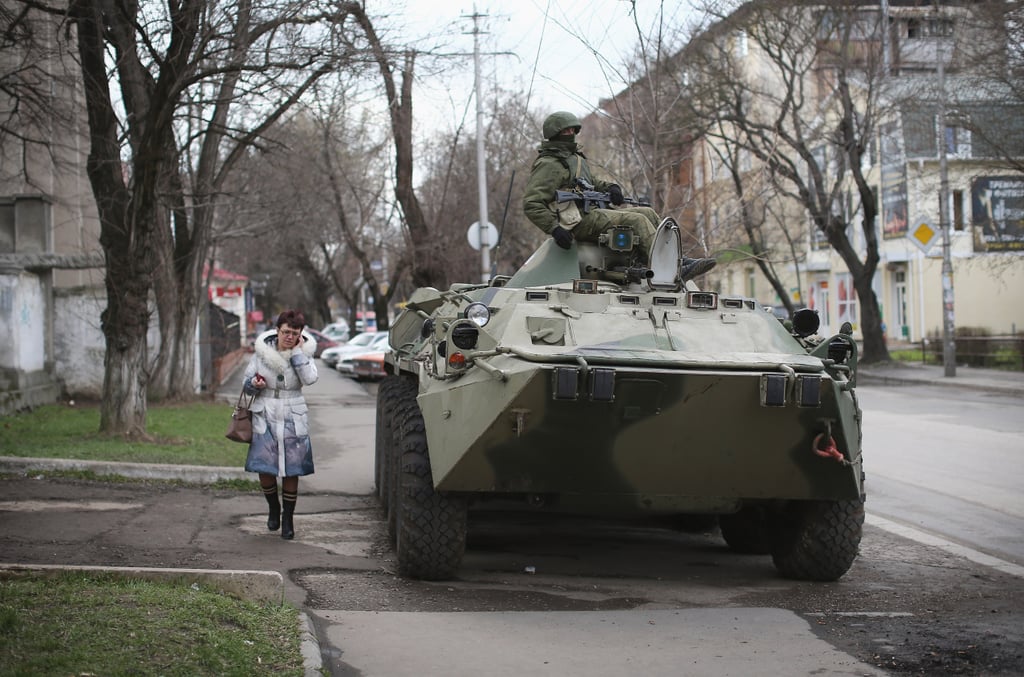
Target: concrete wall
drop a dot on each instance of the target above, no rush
(23, 307)
(78, 341)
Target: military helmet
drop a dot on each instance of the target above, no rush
(556, 122)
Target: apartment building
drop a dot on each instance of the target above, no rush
(930, 92)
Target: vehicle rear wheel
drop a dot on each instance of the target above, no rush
(403, 405)
(385, 408)
(748, 531)
(430, 526)
(694, 524)
(818, 540)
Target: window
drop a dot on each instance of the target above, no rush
(846, 299)
(745, 162)
(6, 227)
(958, 209)
(930, 27)
(740, 43)
(957, 140)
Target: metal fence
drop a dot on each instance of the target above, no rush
(992, 352)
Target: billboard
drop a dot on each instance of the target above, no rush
(997, 213)
(894, 183)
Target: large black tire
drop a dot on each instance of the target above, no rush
(748, 531)
(385, 406)
(818, 540)
(430, 526)
(402, 409)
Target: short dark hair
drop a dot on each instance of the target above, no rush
(293, 318)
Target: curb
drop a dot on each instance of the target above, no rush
(197, 474)
(260, 586)
(867, 378)
(312, 659)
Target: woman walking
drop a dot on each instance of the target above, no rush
(280, 447)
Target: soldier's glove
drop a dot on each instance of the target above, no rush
(563, 238)
(615, 193)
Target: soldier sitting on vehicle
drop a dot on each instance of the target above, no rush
(561, 166)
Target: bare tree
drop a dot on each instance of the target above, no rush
(990, 66)
(807, 114)
(350, 160)
(196, 58)
(428, 267)
(451, 181)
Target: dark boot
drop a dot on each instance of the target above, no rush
(287, 527)
(274, 513)
(691, 268)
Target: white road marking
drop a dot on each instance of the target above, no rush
(863, 614)
(948, 546)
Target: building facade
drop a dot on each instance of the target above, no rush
(962, 121)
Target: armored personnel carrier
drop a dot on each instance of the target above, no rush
(588, 384)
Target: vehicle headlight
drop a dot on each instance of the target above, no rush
(478, 313)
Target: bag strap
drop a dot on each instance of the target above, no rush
(241, 398)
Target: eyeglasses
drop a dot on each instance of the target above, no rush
(294, 333)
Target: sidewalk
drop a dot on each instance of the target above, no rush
(970, 378)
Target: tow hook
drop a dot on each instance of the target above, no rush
(829, 450)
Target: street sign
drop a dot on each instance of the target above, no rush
(478, 236)
(922, 234)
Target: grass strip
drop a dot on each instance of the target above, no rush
(76, 623)
(177, 434)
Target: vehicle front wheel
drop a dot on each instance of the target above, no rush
(818, 540)
(430, 525)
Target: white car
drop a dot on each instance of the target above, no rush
(379, 343)
(337, 330)
(330, 356)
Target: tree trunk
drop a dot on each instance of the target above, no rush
(126, 238)
(123, 410)
(428, 268)
(875, 349)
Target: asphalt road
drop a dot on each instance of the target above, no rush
(947, 462)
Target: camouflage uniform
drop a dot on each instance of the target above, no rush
(557, 165)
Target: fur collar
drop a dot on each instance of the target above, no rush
(266, 349)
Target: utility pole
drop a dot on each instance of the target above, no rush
(481, 165)
(948, 326)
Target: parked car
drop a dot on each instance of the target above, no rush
(338, 331)
(380, 342)
(323, 341)
(331, 356)
(369, 366)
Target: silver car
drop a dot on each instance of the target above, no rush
(330, 356)
(379, 343)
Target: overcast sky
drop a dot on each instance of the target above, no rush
(543, 47)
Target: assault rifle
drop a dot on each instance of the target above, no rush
(584, 193)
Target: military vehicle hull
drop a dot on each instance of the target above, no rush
(584, 396)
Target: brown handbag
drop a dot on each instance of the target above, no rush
(240, 428)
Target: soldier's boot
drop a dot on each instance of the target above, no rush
(691, 268)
